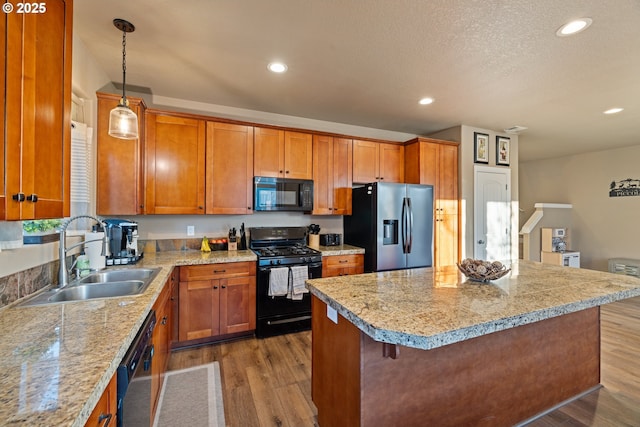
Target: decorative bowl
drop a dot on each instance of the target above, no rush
(482, 271)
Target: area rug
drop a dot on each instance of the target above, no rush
(191, 397)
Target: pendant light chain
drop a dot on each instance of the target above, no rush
(124, 65)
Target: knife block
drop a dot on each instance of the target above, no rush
(314, 240)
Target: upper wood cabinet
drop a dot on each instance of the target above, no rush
(377, 161)
(229, 186)
(283, 154)
(175, 162)
(37, 113)
(332, 175)
(435, 162)
(120, 162)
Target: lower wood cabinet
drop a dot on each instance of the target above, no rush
(342, 265)
(216, 300)
(161, 340)
(104, 414)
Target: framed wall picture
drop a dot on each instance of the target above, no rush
(481, 147)
(502, 150)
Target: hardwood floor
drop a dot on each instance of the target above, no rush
(267, 382)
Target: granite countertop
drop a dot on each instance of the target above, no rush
(427, 308)
(56, 360)
(340, 250)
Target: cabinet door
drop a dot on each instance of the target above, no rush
(391, 162)
(175, 165)
(298, 149)
(229, 168)
(237, 304)
(323, 171)
(38, 124)
(160, 339)
(446, 240)
(268, 152)
(342, 175)
(447, 194)
(104, 413)
(3, 66)
(366, 161)
(199, 305)
(120, 163)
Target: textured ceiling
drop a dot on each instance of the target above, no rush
(488, 63)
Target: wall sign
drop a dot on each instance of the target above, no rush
(624, 188)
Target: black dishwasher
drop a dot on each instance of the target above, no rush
(134, 378)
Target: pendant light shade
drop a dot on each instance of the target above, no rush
(123, 122)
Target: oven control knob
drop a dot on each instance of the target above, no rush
(279, 261)
(272, 262)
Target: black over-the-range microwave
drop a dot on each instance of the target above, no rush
(282, 194)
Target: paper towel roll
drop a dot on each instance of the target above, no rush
(94, 250)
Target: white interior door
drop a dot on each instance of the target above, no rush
(492, 213)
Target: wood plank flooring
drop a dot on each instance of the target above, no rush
(267, 382)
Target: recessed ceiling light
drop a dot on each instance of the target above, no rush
(613, 110)
(426, 101)
(574, 27)
(277, 67)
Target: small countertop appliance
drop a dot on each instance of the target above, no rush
(123, 241)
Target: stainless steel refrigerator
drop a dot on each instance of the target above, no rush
(393, 223)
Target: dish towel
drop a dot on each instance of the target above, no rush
(299, 275)
(278, 281)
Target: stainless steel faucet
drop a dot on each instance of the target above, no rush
(63, 272)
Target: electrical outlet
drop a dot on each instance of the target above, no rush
(191, 230)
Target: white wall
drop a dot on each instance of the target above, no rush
(603, 227)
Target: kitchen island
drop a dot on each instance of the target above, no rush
(427, 347)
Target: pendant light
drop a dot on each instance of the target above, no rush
(123, 122)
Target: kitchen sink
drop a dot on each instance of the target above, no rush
(120, 275)
(98, 285)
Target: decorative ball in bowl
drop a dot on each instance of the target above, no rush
(482, 271)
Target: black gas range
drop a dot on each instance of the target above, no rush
(283, 305)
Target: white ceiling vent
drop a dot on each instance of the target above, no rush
(515, 129)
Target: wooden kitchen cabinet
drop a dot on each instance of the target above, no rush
(37, 113)
(377, 161)
(161, 340)
(282, 154)
(332, 175)
(106, 409)
(120, 162)
(175, 164)
(342, 265)
(435, 162)
(217, 300)
(229, 169)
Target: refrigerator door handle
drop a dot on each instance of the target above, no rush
(410, 221)
(403, 225)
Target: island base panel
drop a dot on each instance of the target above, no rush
(498, 379)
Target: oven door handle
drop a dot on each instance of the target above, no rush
(148, 356)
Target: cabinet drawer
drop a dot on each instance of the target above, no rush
(217, 271)
(343, 260)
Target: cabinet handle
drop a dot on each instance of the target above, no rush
(280, 171)
(18, 197)
(224, 287)
(286, 172)
(381, 178)
(164, 320)
(215, 287)
(218, 271)
(200, 207)
(32, 198)
(106, 418)
(342, 261)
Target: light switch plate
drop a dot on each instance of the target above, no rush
(191, 230)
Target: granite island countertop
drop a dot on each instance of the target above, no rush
(56, 360)
(427, 308)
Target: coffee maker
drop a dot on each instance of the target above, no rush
(123, 241)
